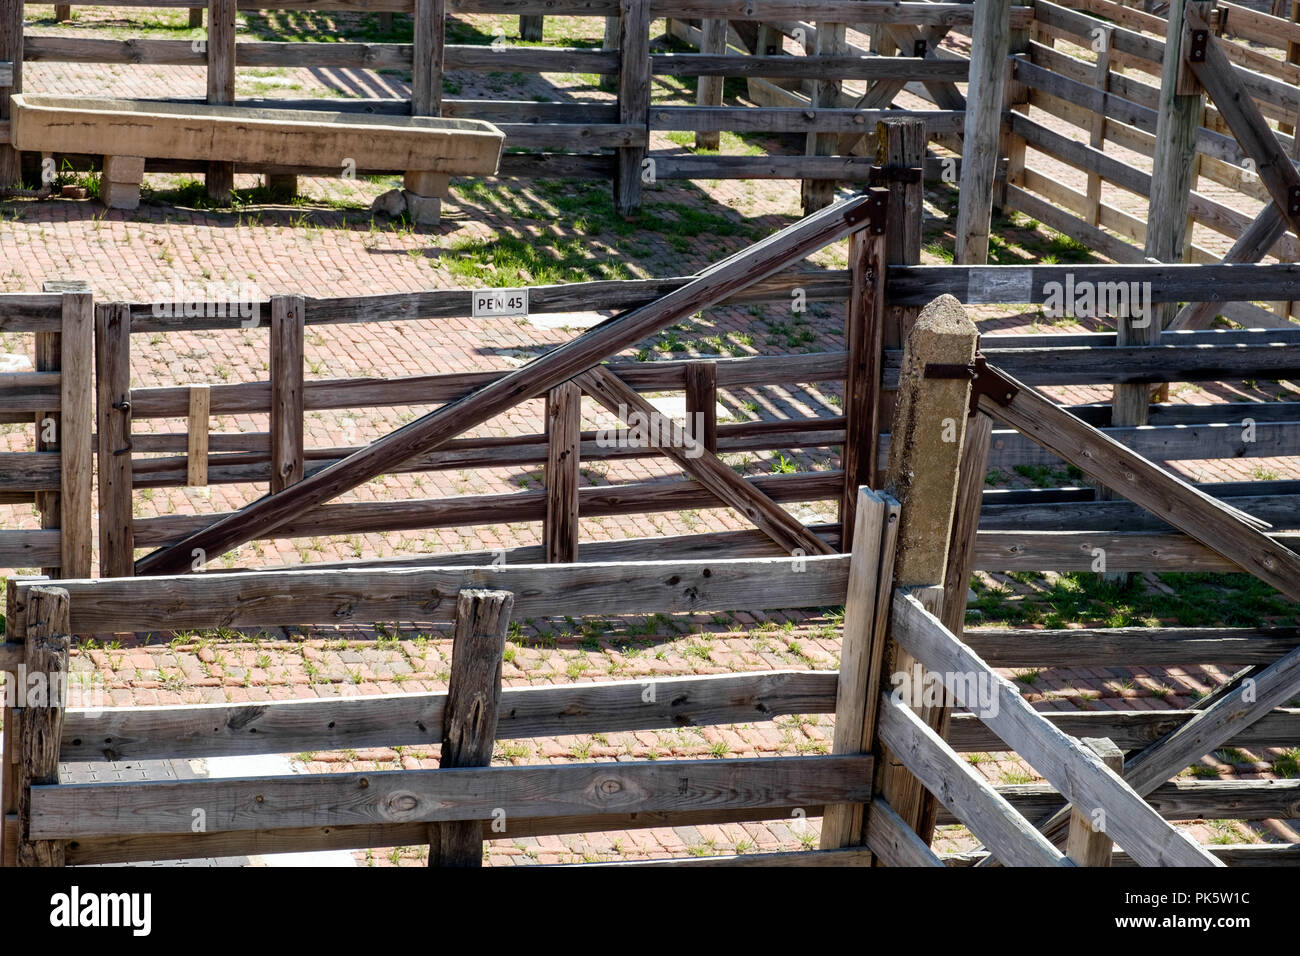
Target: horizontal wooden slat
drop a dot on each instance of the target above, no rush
(172, 401)
(809, 67)
(1281, 510)
(1169, 282)
(210, 730)
(1179, 800)
(29, 549)
(1132, 646)
(1130, 729)
(69, 811)
(1077, 551)
(1237, 854)
(429, 594)
(29, 471)
(783, 120)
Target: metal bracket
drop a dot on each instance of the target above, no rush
(872, 212)
(1200, 39)
(920, 48)
(984, 380)
(895, 173)
(1293, 197)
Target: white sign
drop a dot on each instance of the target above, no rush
(487, 302)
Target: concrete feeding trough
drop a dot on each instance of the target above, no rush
(126, 132)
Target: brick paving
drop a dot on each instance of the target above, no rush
(327, 243)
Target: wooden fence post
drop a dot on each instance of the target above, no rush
(864, 324)
(221, 86)
(1097, 134)
(287, 313)
(702, 403)
(1086, 846)
(900, 143)
(41, 723)
(925, 453)
(1173, 173)
(426, 70)
(196, 431)
(563, 457)
(633, 99)
(708, 92)
(830, 41)
(971, 473)
(113, 417)
(74, 426)
(11, 48)
(531, 27)
(469, 722)
(990, 44)
(866, 620)
(196, 18)
(15, 635)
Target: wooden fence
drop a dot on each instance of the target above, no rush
(876, 791)
(1019, 530)
(455, 808)
(56, 397)
(600, 138)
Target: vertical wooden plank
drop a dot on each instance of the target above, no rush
(610, 42)
(531, 28)
(864, 326)
(1097, 132)
(563, 450)
(196, 18)
(1173, 171)
(49, 430)
(990, 44)
(925, 452)
(709, 90)
(426, 71)
(633, 99)
(196, 453)
(702, 403)
(830, 41)
(469, 722)
(221, 85)
(900, 142)
(15, 633)
(42, 719)
(866, 622)
(113, 417)
(62, 12)
(971, 473)
(11, 49)
(287, 312)
(75, 433)
(1086, 846)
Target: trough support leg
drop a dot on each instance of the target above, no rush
(281, 184)
(424, 193)
(119, 186)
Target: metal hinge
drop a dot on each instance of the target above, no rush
(984, 380)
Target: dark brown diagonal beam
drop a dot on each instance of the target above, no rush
(731, 489)
(1252, 245)
(1238, 109)
(423, 435)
